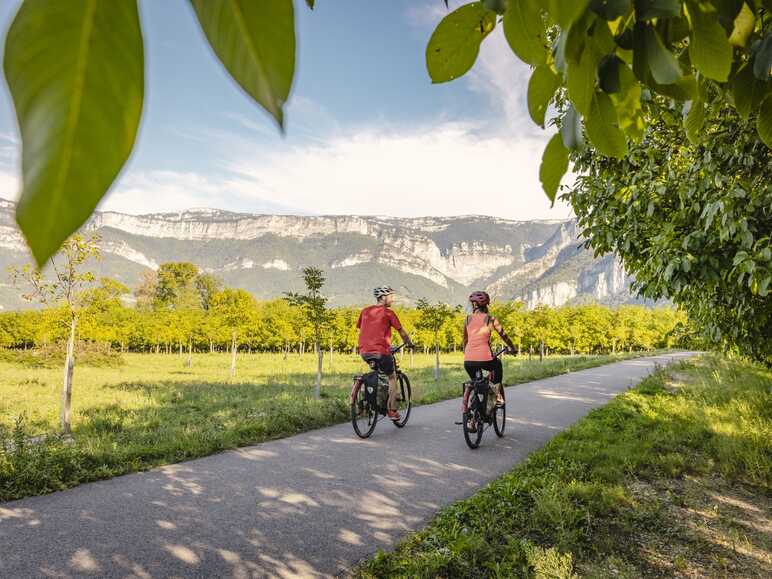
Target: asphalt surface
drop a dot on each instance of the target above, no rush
(307, 506)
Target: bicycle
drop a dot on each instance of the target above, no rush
(478, 410)
(369, 398)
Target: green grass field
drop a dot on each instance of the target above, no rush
(153, 410)
(672, 479)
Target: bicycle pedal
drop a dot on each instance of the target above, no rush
(459, 422)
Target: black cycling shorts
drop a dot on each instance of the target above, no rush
(382, 362)
(492, 365)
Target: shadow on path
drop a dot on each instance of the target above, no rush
(311, 505)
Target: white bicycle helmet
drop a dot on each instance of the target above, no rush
(382, 291)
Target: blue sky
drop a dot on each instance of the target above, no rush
(367, 132)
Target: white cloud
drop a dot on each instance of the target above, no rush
(158, 191)
(9, 185)
(502, 78)
(444, 169)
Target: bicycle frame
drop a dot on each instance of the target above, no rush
(359, 379)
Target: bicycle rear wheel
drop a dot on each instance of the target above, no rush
(404, 400)
(473, 438)
(500, 420)
(363, 416)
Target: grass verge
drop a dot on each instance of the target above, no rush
(153, 410)
(669, 479)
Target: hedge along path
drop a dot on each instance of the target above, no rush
(310, 505)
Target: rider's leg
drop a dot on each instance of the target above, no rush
(498, 381)
(392, 402)
(471, 369)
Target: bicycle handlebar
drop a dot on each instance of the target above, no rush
(396, 349)
(500, 352)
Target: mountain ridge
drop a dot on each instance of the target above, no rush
(437, 258)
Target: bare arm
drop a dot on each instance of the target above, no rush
(405, 338)
(500, 329)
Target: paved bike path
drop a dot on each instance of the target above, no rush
(311, 505)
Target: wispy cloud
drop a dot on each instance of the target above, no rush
(158, 191)
(442, 169)
(427, 14)
(9, 185)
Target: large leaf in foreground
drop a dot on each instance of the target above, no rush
(602, 126)
(554, 164)
(524, 30)
(76, 74)
(455, 43)
(255, 41)
(541, 89)
(764, 121)
(709, 47)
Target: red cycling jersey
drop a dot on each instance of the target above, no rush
(375, 324)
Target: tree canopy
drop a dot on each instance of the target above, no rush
(691, 222)
(605, 58)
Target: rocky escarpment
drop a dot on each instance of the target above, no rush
(540, 262)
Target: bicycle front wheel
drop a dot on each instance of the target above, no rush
(363, 416)
(500, 420)
(404, 400)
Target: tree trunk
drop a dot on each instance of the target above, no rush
(233, 353)
(331, 352)
(437, 362)
(541, 351)
(319, 356)
(189, 361)
(286, 349)
(69, 367)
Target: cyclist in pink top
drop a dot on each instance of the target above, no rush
(477, 344)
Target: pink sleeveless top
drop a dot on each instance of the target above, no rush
(478, 338)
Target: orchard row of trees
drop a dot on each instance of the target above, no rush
(233, 320)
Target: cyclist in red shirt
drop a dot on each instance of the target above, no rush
(375, 324)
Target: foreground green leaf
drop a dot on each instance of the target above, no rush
(75, 71)
(694, 121)
(764, 121)
(255, 41)
(541, 89)
(747, 90)
(455, 43)
(571, 129)
(608, 73)
(524, 30)
(602, 127)
(610, 9)
(581, 80)
(554, 164)
(628, 104)
(762, 62)
(743, 26)
(709, 48)
(663, 64)
(651, 9)
(566, 12)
